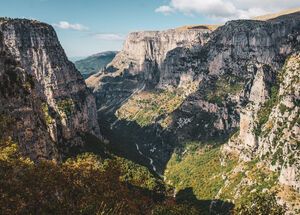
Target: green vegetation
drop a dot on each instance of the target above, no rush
(200, 168)
(172, 208)
(261, 204)
(89, 184)
(265, 111)
(48, 118)
(222, 87)
(212, 175)
(138, 175)
(66, 106)
(146, 107)
(29, 83)
(83, 185)
(261, 179)
(263, 114)
(283, 108)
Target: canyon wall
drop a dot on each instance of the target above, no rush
(219, 71)
(139, 64)
(44, 96)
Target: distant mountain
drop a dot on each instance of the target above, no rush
(94, 63)
(74, 59)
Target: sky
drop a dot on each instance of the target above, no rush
(86, 27)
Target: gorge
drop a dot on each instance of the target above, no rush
(212, 111)
(204, 86)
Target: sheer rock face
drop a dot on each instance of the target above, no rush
(21, 114)
(139, 64)
(59, 103)
(154, 45)
(280, 138)
(277, 140)
(273, 133)
(146, 51)
(238, 65)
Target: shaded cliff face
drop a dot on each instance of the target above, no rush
(57, 109)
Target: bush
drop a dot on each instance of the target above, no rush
(261, 204)
(265, 111)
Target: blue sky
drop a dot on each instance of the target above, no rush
(85, 27)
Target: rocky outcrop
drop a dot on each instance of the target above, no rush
(274, 127)
(281, 134)
(42, 91)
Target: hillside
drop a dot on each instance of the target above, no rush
(94, 63)
(237, 169)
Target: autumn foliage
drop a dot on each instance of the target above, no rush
(85, 185)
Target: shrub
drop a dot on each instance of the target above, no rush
(261, 204)
(265, 111)
(66, 106)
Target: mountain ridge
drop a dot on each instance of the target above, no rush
(276, 15)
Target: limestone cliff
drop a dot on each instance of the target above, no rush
(139, 64)
(270, 129)
(43, 94)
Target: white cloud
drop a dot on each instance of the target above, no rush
(227, 9)
(218, 8)
(109, 37)
(164, 9)
(67, 25)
